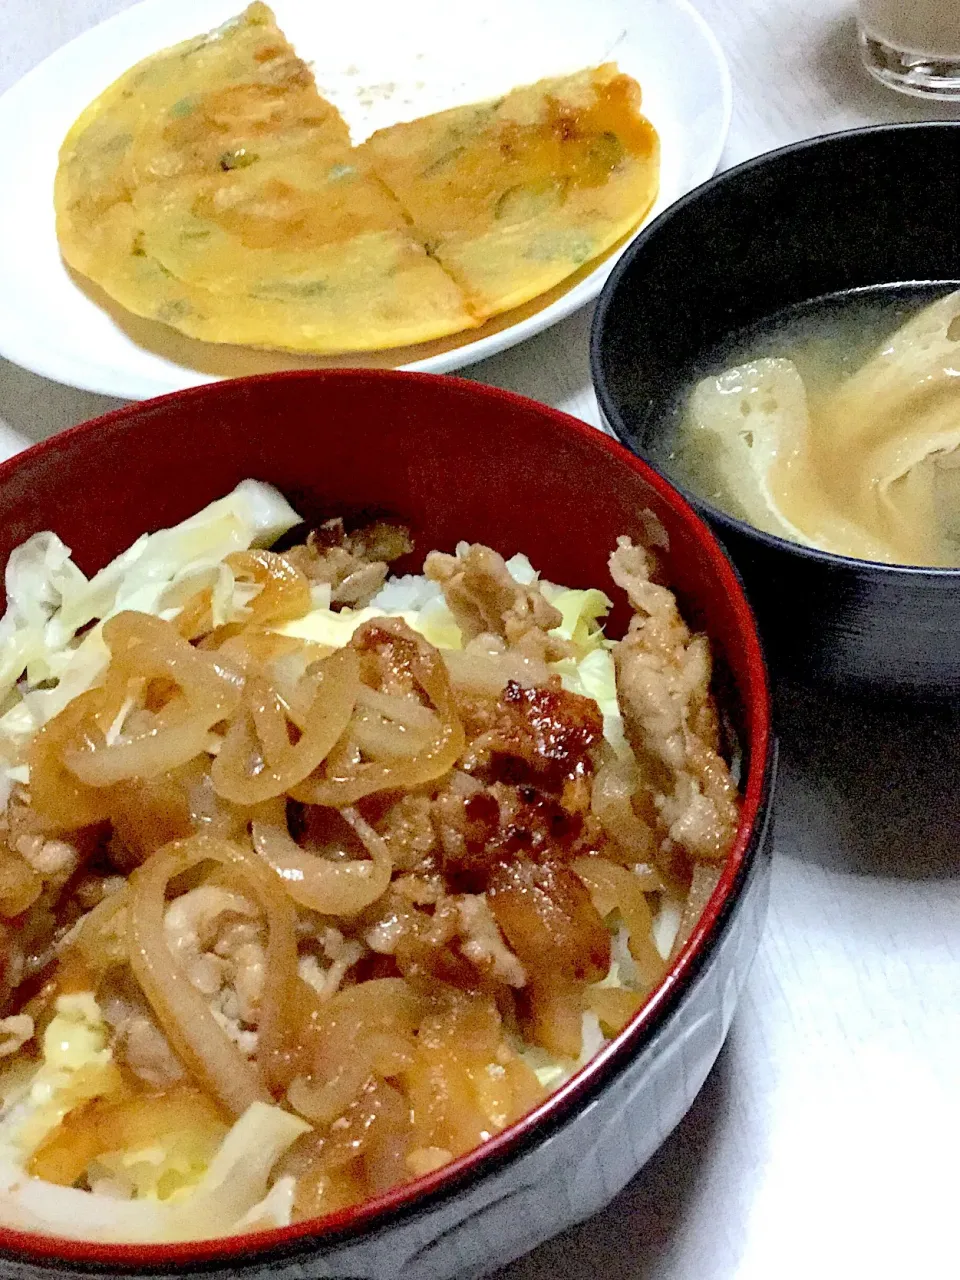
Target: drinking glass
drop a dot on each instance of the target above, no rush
(912, 45)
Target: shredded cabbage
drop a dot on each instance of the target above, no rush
(519, 567)
(233, 1188)
(49, 600)
(551, 1070)
(594, 676)
(334, 629)
(582, 613)
(274, 1210)
(168, 1169)
(76, 1065)
(187, 1186)
(666, 924)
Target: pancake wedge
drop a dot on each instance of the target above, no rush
(193, 108)
(513, 196)
(213, 189)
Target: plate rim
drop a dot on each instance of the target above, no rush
(119, 383)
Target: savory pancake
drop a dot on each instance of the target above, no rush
(512, 196)
(213, 189)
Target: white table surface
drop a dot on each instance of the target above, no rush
(825, 1141)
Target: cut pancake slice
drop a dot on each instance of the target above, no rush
(197, 108)
(315, 315)
(305, 251)
(374, 290)
(513, 196)
(227, 99)
(213, 189)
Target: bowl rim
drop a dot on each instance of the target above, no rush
(380, 1213)
(607, 301)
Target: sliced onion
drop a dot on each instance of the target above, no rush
(406, 711)
(614, 785)
(252, 649)
(157, 751)
(56, 793)
(202, 1045)
(339, 790)
(614, 1006)
(101, 935)
(365, 1029)
(398, 728)
(322, 1102)
(284, 591)
(484, 672)
(257, 761)
(145, 648)
(332, 888)
(555, 1018)
(196, 614)
(706, 877)
(613, 887)
(342, 787)
(379, 738)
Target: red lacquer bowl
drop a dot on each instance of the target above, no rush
(456, 461)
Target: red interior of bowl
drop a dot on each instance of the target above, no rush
(456, 461)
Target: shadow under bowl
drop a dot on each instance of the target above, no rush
(847, 211)
(455, 461)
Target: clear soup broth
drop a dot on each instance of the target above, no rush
(835, 424)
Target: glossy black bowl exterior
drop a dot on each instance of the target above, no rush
(846, 211)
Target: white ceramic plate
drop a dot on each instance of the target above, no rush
(379, 62)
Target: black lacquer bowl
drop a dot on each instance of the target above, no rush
(846, 211)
